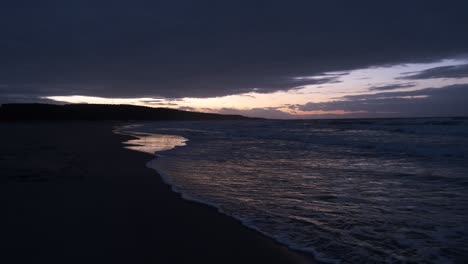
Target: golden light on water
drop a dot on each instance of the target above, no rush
(152, 143)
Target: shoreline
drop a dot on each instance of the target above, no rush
(303, 257)
(74, 194)
(138, 136)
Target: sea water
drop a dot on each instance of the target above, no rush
(347, 191)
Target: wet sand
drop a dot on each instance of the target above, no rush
(70, 193)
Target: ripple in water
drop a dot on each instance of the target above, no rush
(350, 192)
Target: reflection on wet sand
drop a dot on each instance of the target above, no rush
(152, 143)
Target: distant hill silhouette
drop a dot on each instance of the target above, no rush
(49, 112)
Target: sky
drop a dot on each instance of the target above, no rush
(274, 59)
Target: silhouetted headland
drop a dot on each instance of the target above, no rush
(96, 112)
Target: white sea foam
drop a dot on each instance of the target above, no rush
(352, 191)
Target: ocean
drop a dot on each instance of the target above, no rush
(346, 191)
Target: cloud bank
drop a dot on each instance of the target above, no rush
(446, 101)
(454, 71)
(187, 48)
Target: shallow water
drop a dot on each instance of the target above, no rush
(348, 191)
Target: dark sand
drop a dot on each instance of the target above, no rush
(69, 193)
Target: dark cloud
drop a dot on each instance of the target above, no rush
(155, 103)
(161, 101)
(453, 71)
(188, 48)
(446, 101)
(301, 81)
(391, 87)
(23, 98)
(9, 94)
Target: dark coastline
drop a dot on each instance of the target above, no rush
(71, 194)
(101, 112)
